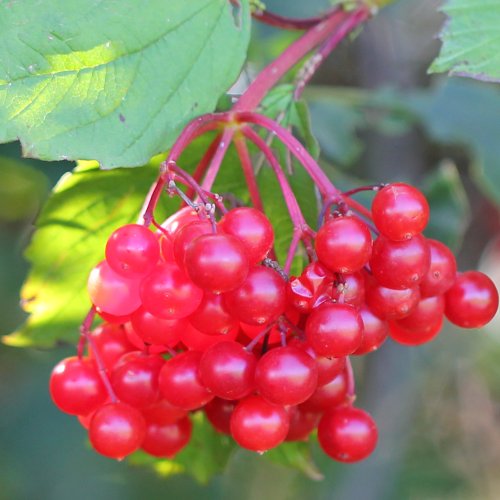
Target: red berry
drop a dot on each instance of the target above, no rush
(303, 291)
(117, 430)
(442, 270)
(132, 251)
(211, 317)
(185, 235)
(135, 379)
(260, 299)
(179, 219)
(302, 423)
(111, 292)
(258, 425)
(111, 318)
(344, 244)
(375, 331)
(166, 439)
(169, 294)
(180, 384)
(400, 211)
(111, 343)
(163, 411)
(390, 304)
(472, 301)
(334, 330)
(166, 247)
(195, 340)
(253, 228)
(327, 396)
(415, 337)
(400, 264)
(227, 370)
(429, 311)
(155, 330)
(76, 387)
(217, 262)
(347, 434)
(218, 412)
(286, 376)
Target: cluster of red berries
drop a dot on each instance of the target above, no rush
(199, 318)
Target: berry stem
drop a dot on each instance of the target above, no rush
(216, 162)
(86, 335)
(246, 165)
(351, 383)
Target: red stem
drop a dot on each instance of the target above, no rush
(287, 23)
(351, 383)
(272, 73)
(246, 165)
(216, 162)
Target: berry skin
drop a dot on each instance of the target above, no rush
(76, 387)
(154, 330)
(111, 342)
(415, 337)
(227, 370)
(286, 376)
(216, 262)
(117, 430)
(442, 270)
(260, 299)
(347, 434)
(344, 244)
(135, 379)
(163, 411)
(334, 330)
(169, 294)
(132, 251)
(218, 412)
(179, 219)
(180, 384)
(428, 312)
(375, 331)
(254, 230)
(391, 304)
(166, 439)
(211, 316)
(302, 423)
(258, 425)
(111, 292)
(327, 396)
(400, 211)
(472, 301)
(186, 235)
(400, 264)
(195, 340)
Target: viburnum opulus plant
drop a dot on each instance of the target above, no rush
(196, 314)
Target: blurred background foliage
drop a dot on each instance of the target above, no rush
(378, 117)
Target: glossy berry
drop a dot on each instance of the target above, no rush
(344, 244)
(132, 251)
(227, 370)
(180, 384)
(260, 299)
(375, 331)
(303, 291)
(414, 336)
(217, 262)
(400, 211)
(391, 304)
(76, 387)
(252, 228)
(135, 379)
(334, 330)
(400, 264)
(163, 411)
(111, 292)
(179, 219)
(166, 439)
(347, 434)
(302, 423)
(117, 430)
(111, 342)
(429, 311)
(211, 316)
(286, 376)
(442, 270)
(218, 412)
(185, 235)
(195, 340)
(329, 395)
(258, 425)
(155, 330)
(472, 301)
(169, 294)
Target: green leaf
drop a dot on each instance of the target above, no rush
(85, 207)
(206, 454)
(471, 40)
(450, 211)
(113, 81)
(296, 455)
